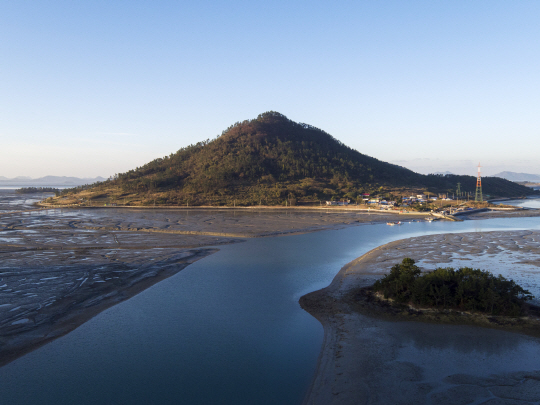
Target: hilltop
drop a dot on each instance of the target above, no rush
(270, 160)
(513, 176)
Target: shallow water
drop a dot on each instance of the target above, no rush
(524, 274)
(11, 201)
(526, 203)
(226, 330)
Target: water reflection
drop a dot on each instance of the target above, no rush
(443, 350)
(533, 202)
(463, 340)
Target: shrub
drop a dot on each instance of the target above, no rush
(464, 289)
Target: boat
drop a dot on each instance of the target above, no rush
(394, 223)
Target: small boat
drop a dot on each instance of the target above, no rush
(393, 223)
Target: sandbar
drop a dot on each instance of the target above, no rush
(367, 359)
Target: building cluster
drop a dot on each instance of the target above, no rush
(422, 199)
(380, 202)
(342, 202)
(384, 203)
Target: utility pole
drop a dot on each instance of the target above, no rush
(478, 197)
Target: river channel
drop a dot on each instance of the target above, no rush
(226, 330)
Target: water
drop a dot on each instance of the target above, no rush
(526, 203)
(10, 201)
(16, 187)
(226, 330)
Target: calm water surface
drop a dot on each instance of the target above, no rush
(226, 330)
(527, 203)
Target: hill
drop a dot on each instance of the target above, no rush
(270, 160)
(513, 176)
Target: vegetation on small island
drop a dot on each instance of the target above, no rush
(30, 190)
(270, 160)
(464, 289)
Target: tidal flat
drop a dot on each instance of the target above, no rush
(370, 359)
(61, 267)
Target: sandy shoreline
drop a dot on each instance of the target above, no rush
(362, 360)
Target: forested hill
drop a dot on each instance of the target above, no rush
(268, 149)
(267, 160)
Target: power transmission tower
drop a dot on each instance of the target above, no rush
(478, 197)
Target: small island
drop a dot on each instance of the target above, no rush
(465, 289)
(447, 295)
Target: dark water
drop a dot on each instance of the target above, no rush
(226, 330)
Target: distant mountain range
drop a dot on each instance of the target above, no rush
(48, 181)
(513, 176)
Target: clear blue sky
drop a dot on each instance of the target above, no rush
(98, 87)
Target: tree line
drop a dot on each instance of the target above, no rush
(30, 190)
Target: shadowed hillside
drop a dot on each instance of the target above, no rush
(268, 160)
(491, 186)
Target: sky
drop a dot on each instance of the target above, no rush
(98, 87)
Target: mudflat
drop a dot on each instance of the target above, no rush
(369, 359)
(61, 267)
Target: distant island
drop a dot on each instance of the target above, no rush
(48, 181)
(272, 161)
(519, 177)
(31, 190)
